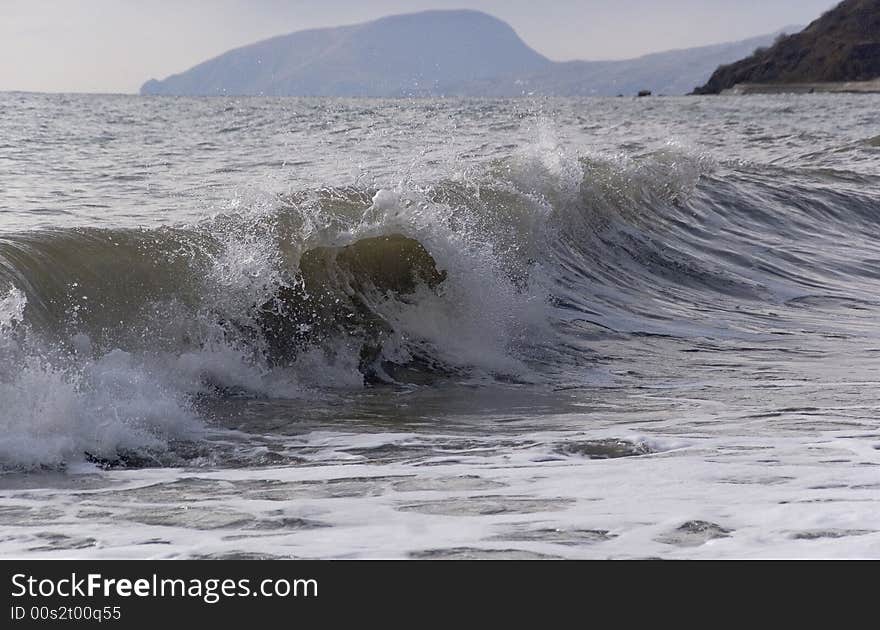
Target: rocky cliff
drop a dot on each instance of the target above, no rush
(841, 46)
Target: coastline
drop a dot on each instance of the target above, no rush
(844, 87)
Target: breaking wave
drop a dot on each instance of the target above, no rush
(112, 339)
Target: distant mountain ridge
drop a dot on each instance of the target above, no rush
(434, 53)
(841, 46)
(673, 72)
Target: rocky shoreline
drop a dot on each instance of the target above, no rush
(838, 52)
(843, 87)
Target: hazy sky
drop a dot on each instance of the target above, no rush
(115, 45)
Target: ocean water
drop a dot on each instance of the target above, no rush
(303, 328)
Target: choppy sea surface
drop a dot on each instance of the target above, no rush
(303, 328)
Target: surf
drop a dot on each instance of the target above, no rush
(115, 340)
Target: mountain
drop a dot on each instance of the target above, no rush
(420, 53)
(843, 45)
(434, 53)
(671, 73)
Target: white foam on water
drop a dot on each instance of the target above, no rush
(54, 414)
(12, 305)
(691, 497)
